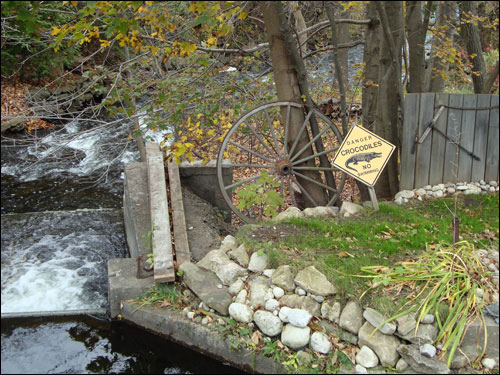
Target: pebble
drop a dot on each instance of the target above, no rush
(190, 315)
(489, 363)
(278, 292)
(300, 291)
(204, 321)
(271, 304)
(428, 319)
(428, 350)
(401, 365)
(360, 370)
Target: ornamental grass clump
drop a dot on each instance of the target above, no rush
(447, 281)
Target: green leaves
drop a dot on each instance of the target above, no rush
(263, 194)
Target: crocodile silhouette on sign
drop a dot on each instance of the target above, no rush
(362, 157)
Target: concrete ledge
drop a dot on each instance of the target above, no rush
(202, 180)
(176, 327)
(122, 283)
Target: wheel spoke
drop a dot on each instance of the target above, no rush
(316, 169)
(251, 151)
(290, 189)
(242, 182)
(273, 134)
(309, 144)
(300, 133)
(316, 182)
(288, 110)
(260, 139)
(315, 155)
(250, 165)
(304, 191)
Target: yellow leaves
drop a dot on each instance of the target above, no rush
(171, 27)
(154, 50)
(55, 30)
(104, 44)
(212, 41)
(243, 15)
(345, 254)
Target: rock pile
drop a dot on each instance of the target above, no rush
(441, 190)
(283, 303)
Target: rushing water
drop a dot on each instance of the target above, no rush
(61, 221)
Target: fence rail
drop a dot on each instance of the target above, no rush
(468, 124)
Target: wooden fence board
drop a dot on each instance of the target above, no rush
(454, 128)
(412, 102)
(492, 155)
(438, 142)
(480, 137)
(467, 138)
(426, 113)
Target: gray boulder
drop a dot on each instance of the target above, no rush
(260, 291)
(385, 346)
(301, 302)
(240, 312)
(240, 255)
(331, 309)
(294, 337)
(283, 277)
(376, 319)
(351, 318)
(314, 282)
(217, 261)
(205, 285)
(268, 323)
(258, 263)
(320, 343)
(419, 363)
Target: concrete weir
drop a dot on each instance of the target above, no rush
(125, 286)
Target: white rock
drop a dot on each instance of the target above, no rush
(401, 365)
(399, 201)
(271, 304)
(428, 350)
(450, 190)
(427, 187)
(229, 243)
(360, 370)
(376, 319)
(283, 315)
(493, 183)
(489, 363)
(295, 337)
(299, 318)
(290, 212)
(269, 324)
(318, 299)
(428, 319)
(408, 194)
(462, 187)
(240, 312)
(204, 321)
(491, 189)
(420, 191)
(258, 263)
(241, 297)
(367, 357)
(268, 273)
(438, 193)
(320, 343)
(190, 315)
(235, 287)
(331, 310)
(278, 292)
(300, 291)
(350, 208)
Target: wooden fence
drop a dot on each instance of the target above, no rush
(470, 121)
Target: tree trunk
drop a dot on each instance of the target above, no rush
(389, 99)
(287, 87)
(437, 68)
(417, 22)
(473, 45)
(300, 25)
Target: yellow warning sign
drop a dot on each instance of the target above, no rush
(363, 155)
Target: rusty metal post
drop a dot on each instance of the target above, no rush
(455, 223)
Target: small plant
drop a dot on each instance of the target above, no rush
(444, 278)
(271, 348)
(262, 193)
(292, 361)
(150, 259)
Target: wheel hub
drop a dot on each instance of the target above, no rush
(284, 167)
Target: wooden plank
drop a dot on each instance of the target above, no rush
(492, 154)
(182, 253)
(426, 113)
(467, 138)
(454, 128)
(160, 221)
(481, 137)
(438, 142)
(410, 125)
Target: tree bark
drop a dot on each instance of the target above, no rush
(287, 87)
(389, 97)
(473, 45)
(416, 30)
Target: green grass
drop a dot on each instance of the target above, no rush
(341, 247)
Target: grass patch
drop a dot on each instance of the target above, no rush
(341, 247)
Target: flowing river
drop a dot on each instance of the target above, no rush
(61, 221)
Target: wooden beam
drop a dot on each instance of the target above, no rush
(182, 252)
(160, 222)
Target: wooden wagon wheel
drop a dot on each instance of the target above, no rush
(256, 148)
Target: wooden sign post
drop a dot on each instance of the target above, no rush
(363, 155)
